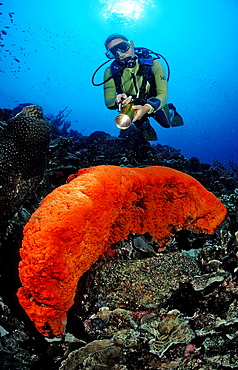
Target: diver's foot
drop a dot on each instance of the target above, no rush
(175, 118)
(161, 118)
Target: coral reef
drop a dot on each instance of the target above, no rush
(211, 312)
(168, 340)
(127, 336)
(59, 121)
(23, 147)
(98, 207)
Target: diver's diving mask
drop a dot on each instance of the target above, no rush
(114, 51)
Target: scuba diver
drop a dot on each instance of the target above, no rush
(136, 85)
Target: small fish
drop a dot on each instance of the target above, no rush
(17, 60)
(4, 32)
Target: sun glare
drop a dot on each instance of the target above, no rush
(130, 10)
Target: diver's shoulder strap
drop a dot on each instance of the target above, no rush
(145, 64)
(116, 71)
(145, 70)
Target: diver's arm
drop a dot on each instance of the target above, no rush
(161, 84)
(109, 91)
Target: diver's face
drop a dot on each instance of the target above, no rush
(122, 55)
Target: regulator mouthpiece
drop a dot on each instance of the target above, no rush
(124, 118)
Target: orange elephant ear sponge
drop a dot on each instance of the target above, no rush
(78, 221)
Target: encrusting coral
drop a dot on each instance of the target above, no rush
(78, 222)
(24, 144)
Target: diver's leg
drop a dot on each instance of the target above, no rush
(148, 132)
(168, 116)
(162, 116)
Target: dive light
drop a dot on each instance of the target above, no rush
(124, 118)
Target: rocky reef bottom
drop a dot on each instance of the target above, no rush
(138, 307)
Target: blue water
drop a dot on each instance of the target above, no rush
(51, 49)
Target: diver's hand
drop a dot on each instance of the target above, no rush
(141, 110)
(120, 97)
(124, 102)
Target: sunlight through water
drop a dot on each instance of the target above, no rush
(130, 10)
